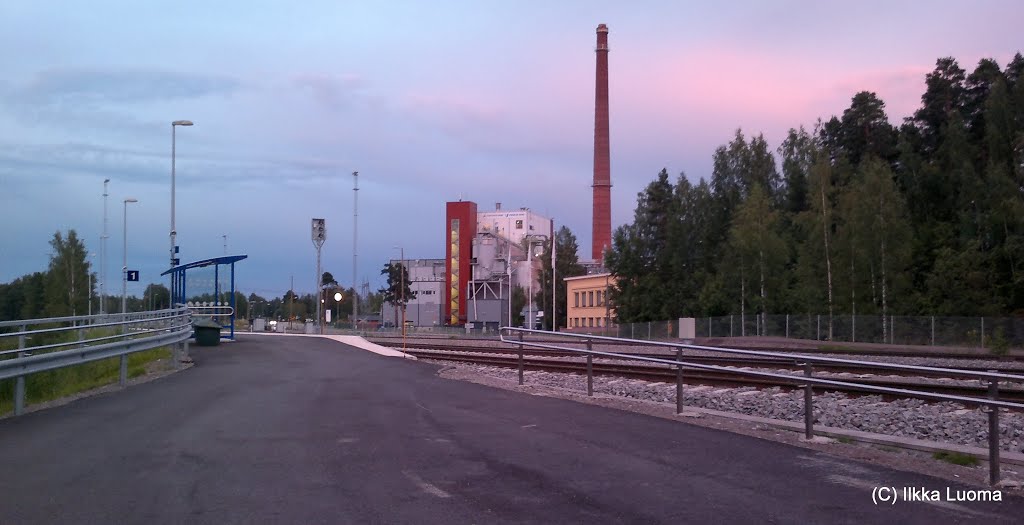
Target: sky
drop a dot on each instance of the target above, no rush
(429, 101)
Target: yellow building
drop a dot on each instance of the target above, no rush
(587, 302)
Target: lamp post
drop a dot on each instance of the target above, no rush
(124, 266)
(174, 233)
(103, 253)
(89, 274)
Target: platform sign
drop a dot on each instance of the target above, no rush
(132, 275)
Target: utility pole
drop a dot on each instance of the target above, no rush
(319, 236)
(355, 233)
(554, 280)
(103, 253)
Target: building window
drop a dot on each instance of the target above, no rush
(519, 224)
(600, 298)
(590, 322)
(591, 301)
(576, 299)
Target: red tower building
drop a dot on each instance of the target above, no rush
(602, 218)
(460, 227)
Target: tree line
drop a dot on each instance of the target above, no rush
(856, 216)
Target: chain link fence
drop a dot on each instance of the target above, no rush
(985, 332)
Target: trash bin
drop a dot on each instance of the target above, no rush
(207, 332)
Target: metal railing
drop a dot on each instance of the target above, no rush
(93, 338)
(807, 381)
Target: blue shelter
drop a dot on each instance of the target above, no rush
(205, 283)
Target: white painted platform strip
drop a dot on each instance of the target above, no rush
(351, 340)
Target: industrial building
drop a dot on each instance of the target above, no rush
(426, 280)
(488, 254)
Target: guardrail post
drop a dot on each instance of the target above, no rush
(123, 376)
(818, 338)
(679, 381)
(730, 326)
(19, 382)
(933, 330)
(808, 404)
(590, 369)
(787, 326)
(983, 332)
(520, 358)
(649, 330)
(993, 432)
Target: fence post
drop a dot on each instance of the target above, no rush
(679, 381)
(123, 376)
(590, 370)
(19, 382)
(819, 327)
(983, 332)
(853, 328)
(648, 330)
(709, 327)
(787, 326)
(808, 404)
(933, 330)
(520, 358)
(993, 432)
(730, 325)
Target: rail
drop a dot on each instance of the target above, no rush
(93, 338)
(806, 381)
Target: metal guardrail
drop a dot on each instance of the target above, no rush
(135, 332)
(806, 381)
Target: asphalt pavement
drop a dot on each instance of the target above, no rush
(308, 430)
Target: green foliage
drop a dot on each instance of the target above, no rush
(54, 384)
(997, 343)
(926, 219)
(518, 303)
(566, 265)
(956, 458)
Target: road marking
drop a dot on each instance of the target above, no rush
(424, 408)
(424, 486)
(529, 426)
(347, 440)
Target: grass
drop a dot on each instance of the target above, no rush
(844, 439)
(837, 348)
(956, 458)
(54, 384)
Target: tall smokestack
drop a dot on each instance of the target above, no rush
(602, 219)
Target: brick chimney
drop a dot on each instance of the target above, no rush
(602, 218)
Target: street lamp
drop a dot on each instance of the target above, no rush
(124, 266)
(103, 253)
(174, 233)
(91, 255)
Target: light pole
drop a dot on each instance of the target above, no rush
(103, 253)
(174, 233)
(355, 233)
(89, 274)
(124, 265)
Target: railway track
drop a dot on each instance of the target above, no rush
(723, 360)
(568, 362)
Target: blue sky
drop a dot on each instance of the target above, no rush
(430, 101)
